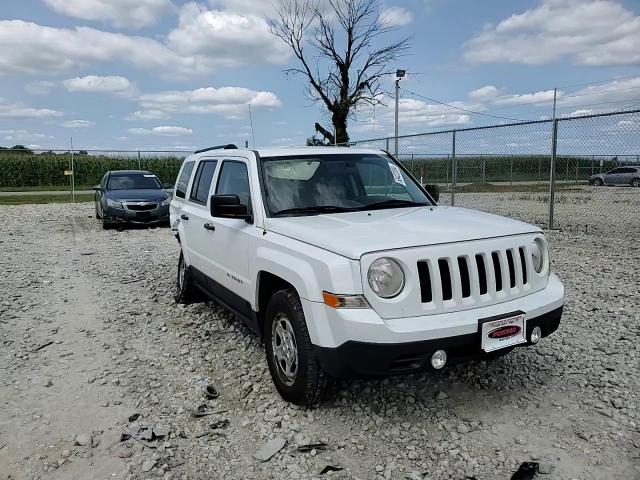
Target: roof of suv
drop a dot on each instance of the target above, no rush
(292, 151)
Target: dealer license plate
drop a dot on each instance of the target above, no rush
(503, 333)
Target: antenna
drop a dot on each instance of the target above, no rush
(251, 121)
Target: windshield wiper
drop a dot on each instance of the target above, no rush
(315, 209)
(393, 202)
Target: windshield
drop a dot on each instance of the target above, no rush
(133, 181)
(310, 185)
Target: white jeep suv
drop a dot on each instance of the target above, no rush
(346, 266)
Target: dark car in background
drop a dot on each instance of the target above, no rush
(131, 197)
(629, 175)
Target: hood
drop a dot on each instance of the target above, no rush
(353, 234)
(137, 195)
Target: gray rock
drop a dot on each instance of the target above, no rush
(83, 439)
(147, 465)
(269, 449)
(546, 468)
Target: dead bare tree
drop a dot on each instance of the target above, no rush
(345, 66)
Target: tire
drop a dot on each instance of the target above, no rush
(303, 382)
(105, 225)
(186, 291)
(635, 182)
(597, 182)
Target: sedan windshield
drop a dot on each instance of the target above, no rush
(133, 181)
(312, 185)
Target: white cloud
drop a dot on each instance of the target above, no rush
(149, 115)
(484, 94)
(203, 42)
(262, 8)
(578, 113)
(525, 98)
(395, 17)
(21, 135)
(587, 32)
(97, 84)
(225, 39)
(164, 131)
(226, 101)
(78, 124)
(18, 112)
(121, 13)
(42, 87)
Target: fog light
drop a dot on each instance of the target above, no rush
(536, 335)
(438, 359)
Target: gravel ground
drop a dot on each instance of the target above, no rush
(121, 349)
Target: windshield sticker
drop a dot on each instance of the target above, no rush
(397, 174)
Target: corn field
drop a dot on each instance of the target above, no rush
(46, 170)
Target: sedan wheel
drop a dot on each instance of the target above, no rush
(597, 182)
(635, 182)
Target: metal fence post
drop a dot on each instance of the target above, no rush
(139, 163)
(454, 170)
(483, 170)
(552, 173)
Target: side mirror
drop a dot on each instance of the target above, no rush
(229, 206)
(434, 191)
(97, 187)
(167, 186)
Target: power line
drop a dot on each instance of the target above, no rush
(598, 81)
(460, 108)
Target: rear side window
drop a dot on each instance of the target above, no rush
(183, 179)
(202, 181)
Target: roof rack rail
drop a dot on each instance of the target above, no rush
(229, 146)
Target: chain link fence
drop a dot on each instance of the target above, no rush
(540, 172)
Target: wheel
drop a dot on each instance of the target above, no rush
(635, 182)
(294, 368)
(597, 182)
(105, 224)
(185, 289)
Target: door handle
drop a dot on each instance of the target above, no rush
(184, 217)
(208, 226)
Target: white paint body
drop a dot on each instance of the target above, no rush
(332, 252)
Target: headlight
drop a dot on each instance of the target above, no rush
(166, 202)
(114, 204)
(386, 277)
(537, 254)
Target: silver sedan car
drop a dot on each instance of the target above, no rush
(629, 175)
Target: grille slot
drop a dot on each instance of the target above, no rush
(497, 271)
(465, 281)
(445, 279)
(512, 269)
(426, 294)
(524, 265)
(482, 274)
(141, 208)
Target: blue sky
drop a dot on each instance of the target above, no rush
(170, 74)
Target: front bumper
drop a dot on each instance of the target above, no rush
(360, 359)
(342, 337)
(147, 217)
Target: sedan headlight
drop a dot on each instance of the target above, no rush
(386, 277)
(537, 254)
(166, 202)
(114, 204)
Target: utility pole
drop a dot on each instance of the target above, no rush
(73, 175)
(399, 76)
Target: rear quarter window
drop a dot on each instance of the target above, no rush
(183, 179)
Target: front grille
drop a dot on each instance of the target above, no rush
(141, 208)
(463, 279)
